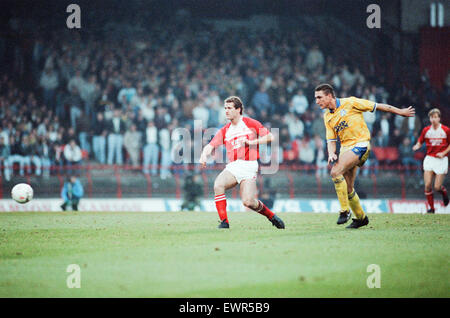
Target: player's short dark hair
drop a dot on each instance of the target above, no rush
(326, 88)
(236, 101)
(434, 111)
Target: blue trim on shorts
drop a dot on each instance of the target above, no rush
(359, 151)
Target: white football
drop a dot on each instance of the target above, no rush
(22, 193)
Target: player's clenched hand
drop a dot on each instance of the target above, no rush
(408, 112)
(415, 147)
(332, 158)
(440, 155)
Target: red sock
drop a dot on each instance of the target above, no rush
(221, 206)
(430, 199)
(262, 209)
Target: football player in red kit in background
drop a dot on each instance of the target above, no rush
(437, 139)
(241, 137)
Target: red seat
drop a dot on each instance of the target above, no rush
(386, 153)
(379, 153)
(392, 153)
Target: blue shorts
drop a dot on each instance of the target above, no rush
(359, 151)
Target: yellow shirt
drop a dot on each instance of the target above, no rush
(347, 121)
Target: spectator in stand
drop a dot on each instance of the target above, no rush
(99, 138)
(166, 161)
(385, 129)
(75, 105)
(201, 113)
(295, 126)
(49, 83)
(17, 154)
(261, 101)
(84, 128)
(132, 142)
(5, 135)
(33, 157)
(89, 92)
(76, 82)
(140, 122)
(320, 159)
(72, 155)
(379, 140)
(68, 134)
(317, 126)
(126, 94)
(151, 149)
(58, 153)
(314, 58)
(306, 151)
(4, 155)
(396, 139)
(299, 103)
(407, 157)
(44, 153)
(116, 128)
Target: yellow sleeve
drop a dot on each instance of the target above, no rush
(331, 134)
(363, 105)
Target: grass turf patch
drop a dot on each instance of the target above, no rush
(185, 255)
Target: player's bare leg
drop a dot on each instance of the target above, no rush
(353, 199)
(438, 187)
(428, 180)
(224, 181)
(347, 161)
(248, 191)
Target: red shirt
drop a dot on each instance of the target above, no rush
(232, 137)
(437, 140)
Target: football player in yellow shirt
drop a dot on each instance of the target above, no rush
(344, 120)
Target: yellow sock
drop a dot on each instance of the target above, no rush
(341, 190)
(355, 204)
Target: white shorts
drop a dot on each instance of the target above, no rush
(437, 165)
(243, 169)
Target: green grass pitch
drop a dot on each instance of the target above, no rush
(185, 255)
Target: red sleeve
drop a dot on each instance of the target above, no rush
(218, 138)
(255, 125)
(447, 130)
(422, 135)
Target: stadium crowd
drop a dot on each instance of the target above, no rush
(117, 100)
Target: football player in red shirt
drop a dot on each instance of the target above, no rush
(241, 137)
(437, 139)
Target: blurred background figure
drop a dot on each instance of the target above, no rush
(72, 155)
(71, 193)
(132, 142)
(192, 192)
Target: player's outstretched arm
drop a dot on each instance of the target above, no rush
(263, 140)
(405, 112)
(205, 153)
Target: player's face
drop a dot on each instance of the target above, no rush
(324, 101)
(435, 119)
(230, 111)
